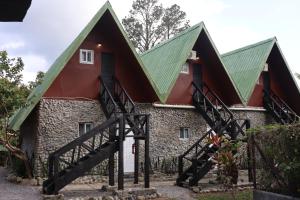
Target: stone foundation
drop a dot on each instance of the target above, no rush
(55, 122)
(58, 124)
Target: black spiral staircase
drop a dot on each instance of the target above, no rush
(101, 143)
(196, 162)
(281, 112)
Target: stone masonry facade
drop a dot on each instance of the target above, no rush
(56, 123)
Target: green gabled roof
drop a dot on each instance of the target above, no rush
(246, 64)
(18, 118)
(164, 61)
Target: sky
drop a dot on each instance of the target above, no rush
(51, 25)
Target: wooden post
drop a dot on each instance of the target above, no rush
(253, 160)
(180, 165)
(111, 159)
(136, 161)
(147, 158)
(250, 175)
(121, 155)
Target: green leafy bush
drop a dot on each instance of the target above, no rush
(281, 146)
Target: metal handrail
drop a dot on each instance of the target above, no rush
(123, 93)
(214, 95)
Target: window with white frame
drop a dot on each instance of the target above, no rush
(185, 68)
(86, 56)
(85, 127)
(184, 133)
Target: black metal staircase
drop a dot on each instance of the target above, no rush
(281, 112)
(81, 155)
(102, 142)
(197, 160)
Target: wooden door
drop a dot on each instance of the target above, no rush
(108, 70)
(197, 74)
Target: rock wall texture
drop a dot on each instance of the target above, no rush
(59, 125)
(165, 126)
(257, 118)
(55, 122)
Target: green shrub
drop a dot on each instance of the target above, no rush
(281, 146)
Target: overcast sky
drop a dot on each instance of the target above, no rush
(50, 25)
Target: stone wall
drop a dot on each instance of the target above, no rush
(59, 125)
(56, 123)
(165, 126)
(257, 117)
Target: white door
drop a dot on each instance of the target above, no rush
(128, 155)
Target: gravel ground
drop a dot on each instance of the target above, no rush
(168, 189)
(10, 191)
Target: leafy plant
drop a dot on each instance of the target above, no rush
(280, 144)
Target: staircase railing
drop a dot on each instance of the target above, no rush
(197, 160)
(211, 105)
(137, 124)
(75, 151)
(282, 111)
(106, 99)
(197, 148)
(123, 97)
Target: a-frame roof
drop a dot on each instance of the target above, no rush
(246, 64)
(164, 61)
(18, 118)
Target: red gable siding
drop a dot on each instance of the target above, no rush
(81, 80)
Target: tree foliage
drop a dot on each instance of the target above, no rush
(38, 80)
(298, 75)
(13, 92)
(13, 95)
(148, 23)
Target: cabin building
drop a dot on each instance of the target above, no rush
(66, 105)
(183, 84)
(262, 77)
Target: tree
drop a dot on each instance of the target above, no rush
(298, 75)
(38, 80)
(148, 23)
(13, 95)
(13, 92)
(174, 21)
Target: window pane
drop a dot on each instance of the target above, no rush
(89, 56)
(181, 134)
(83, 55)
(88, 127)
(81, 129)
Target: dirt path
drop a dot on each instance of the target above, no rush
(10, 191)
(168, 189)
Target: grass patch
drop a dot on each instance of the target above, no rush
(239, 195)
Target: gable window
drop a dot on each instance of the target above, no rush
(184, 133)
(86, 56)
(185, 68)
(85, 127)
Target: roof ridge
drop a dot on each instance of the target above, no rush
(201, 24)
(248, 47)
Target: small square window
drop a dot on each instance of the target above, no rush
(184, 133)
(85, 127)
(185, 68)
(86, 56)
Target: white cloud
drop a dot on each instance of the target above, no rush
(228, 38)
(12, 45)
(32, 64)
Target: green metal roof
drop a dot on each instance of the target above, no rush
(246, 64)
(164, 61)
(18, 118)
